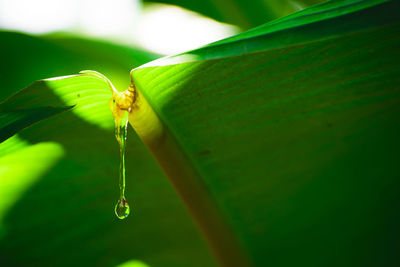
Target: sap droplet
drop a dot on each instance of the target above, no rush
(122, 209)
(121, 118)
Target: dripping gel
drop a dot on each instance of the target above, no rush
(121, 129)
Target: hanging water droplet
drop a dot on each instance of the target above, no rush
(121, 129)
(122, 209)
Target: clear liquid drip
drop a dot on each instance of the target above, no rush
(121, 129)
(122, 209)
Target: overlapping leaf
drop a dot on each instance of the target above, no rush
(59, 177)
(292, 129)
(246, 14)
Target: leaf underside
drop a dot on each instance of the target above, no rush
(296, 142)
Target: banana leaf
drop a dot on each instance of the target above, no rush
(245, 14)
(59, 177)
(281, 141)
(288, 136)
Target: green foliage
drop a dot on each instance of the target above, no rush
(59, 178)
(58, 55)
(245, 14)
(292, 129)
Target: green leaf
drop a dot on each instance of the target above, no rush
(286, 137)
(246, 14)
(26, 59)
(336, 18)
(54, 55)
(282, 141)
(41, 100)
(14, 121)
(59, 177)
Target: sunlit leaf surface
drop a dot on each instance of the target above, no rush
(289, 133)
(59, 177)
(16, 178)
(293, 131)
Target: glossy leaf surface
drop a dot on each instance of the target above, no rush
(293, 130)
(289, 134)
